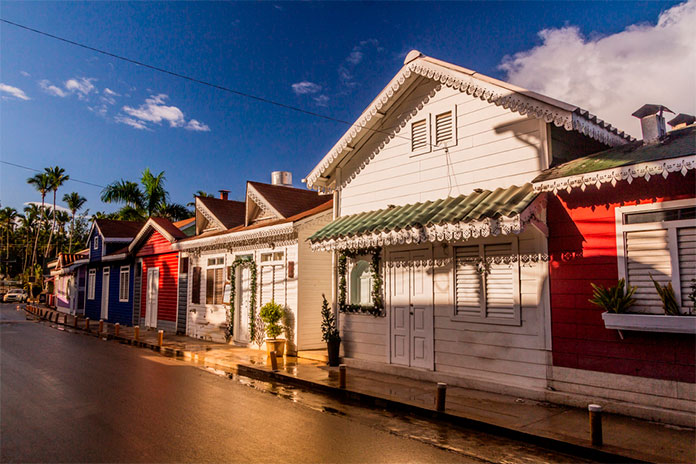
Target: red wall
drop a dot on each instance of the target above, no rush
(582, 243)
(156, 252)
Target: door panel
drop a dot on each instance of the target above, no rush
(399, 311)
(243, 301)
(105, 293)
(152, 296)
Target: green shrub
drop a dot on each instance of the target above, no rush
(271, 313)
(669, 299)
(613, 299)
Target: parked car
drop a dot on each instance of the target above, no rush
(16, 294)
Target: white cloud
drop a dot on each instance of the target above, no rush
(109, 96)
(14, 92)
(321, 100)
(81, 86)
(24, 73)
(354, 58)
(52, 89)
(111, 93)
(197, 126)
(155, 111)
(613, 76)
(131, 122)
(305, 87)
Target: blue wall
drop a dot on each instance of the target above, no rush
(121, 312)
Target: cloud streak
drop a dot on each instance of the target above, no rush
(612, 76)
(305, 87)
(354, 58)
(155, 111)
(14, 92)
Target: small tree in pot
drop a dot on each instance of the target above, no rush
(271, 314)
(329, 333)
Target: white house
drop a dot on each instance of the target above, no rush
(439, 238)
(265, 258)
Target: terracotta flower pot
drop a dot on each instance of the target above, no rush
(275, 344)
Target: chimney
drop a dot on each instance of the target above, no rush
(652, 122)
(281, 178)
(224, 194)
(682, 120)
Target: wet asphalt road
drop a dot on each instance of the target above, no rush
(69, 397)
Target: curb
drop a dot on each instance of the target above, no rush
(365, 399)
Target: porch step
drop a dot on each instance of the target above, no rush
(315, 355)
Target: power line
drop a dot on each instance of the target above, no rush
(199, 81)
(39, 170)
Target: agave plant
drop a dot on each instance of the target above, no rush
(613, 299)
(669, 299)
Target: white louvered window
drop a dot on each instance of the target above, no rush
(657, 241)
(419, 135)
(91, 283)
(443, 128)
(124, 284)
(486, 278)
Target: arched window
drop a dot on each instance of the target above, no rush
(361, 283)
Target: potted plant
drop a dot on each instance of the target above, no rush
(329, 333)
(668, 298)
(613, 299)
(271, 314)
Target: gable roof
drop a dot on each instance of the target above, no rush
(287, 201)
(164, 226)
(184, 222)
(228, 213)
(674, 152)
(117, 230)
(418, 67)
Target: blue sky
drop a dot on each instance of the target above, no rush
(103, 119)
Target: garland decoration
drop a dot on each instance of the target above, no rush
(377, 307)
(248, 262)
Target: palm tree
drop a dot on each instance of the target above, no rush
(57, 177)
(8, 216)
(145, 200)
(75, 203)
(42, 183)
(199, 193)
(31, 219)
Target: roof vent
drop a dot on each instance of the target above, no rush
(224, 194)
(281, 178)
(682, 120)
(652, 122)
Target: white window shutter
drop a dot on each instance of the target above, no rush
(648, 254)
(443, 127)
(686, 238)
(266, 284)
(419, 135)
(279, 284)
(467, 282)
(500, 288)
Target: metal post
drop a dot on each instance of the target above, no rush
(136, 333)
(117, 328)
(595, 424)
(160, 337)
(441, 396)
(274, 361)
(101, 325)
(341, 376)
(87, 324)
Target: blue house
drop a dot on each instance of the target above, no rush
(110, 271)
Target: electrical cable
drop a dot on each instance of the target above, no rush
(39, 170)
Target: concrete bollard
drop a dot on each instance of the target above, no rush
(274, 361)
(101, 325)
(160, 337)
(76, 321)
(441, 396)
(117, 328)
(341, 376)
(87, 324)
(595, 424)
(136, 333)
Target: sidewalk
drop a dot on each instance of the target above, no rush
(559, 427)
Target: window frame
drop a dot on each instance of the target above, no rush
(219, 263)
(483, 318)
(91, 284)
(428, 142)
(124, 270)
(351, 284)
(670, 226)
(95, 242)
(453, 141)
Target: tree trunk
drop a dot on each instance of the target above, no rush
(53, 225)
(72, 232)
(38, 231)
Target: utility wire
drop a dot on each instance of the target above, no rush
(198, 81)
(39, 170)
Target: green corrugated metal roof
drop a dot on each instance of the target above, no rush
(677, 143)
(464, 208)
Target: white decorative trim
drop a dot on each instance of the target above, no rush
(241, 237)
(210, 217)
(262, 203)
(150, 224)
(628, 173)
(576, 119)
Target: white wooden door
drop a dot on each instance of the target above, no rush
(151, 297)
(105, 293)
(243, 297)
(411, 310)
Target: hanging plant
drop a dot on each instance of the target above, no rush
(249, 263)
(377, 306)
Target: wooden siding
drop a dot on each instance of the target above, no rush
(495, 148)
(156, 252)
(182, 304)
(121, 312)
(583, 245)
(137, 279)
(313, 274)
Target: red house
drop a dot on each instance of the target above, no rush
(157, 276)
(628, 212)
